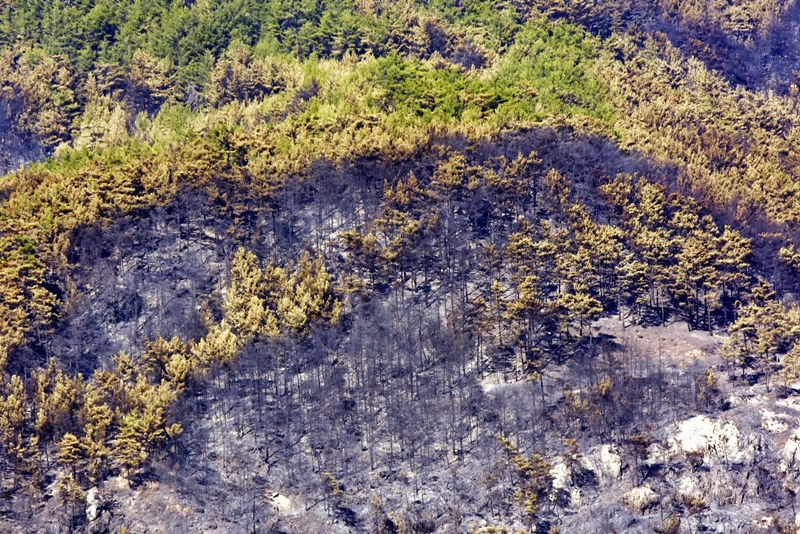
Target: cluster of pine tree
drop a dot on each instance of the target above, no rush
(514, 247)
(246, 101)
(115, 419)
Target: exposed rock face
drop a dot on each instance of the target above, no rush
(561, 475)
(93, 502)
(791, 452)
(656, 455)
(564, 489)
(773, 422)
(605, 461)
(280, 503)
(689, 488)
(717, 442)
(641, 498)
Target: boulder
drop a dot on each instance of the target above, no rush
(641, 498)
(713, 441)
(605, 461)
(561, 475)
(791, 452)
(93, 503)
(773, 422)
(689, 488)
(280, 503)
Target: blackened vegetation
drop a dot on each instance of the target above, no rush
(471, 282)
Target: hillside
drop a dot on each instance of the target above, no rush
(394, 267)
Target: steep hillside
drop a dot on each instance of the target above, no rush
(398, 267)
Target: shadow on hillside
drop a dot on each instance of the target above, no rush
(15, 151)
(756, 61)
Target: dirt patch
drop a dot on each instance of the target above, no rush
(674, 342)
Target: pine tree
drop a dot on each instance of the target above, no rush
(248, 304)
(12, 410)
(153, 81)
(696, 279)
(57, 397)
(580, 308)
(655, 249)
(790, 364)
(70, 452)
(733, 266)
(761, 333)
(533, 475)
(239, 77)
(530, 312)
(218, 347)
(159, 353)
(631, 290)
(96, 416)
(72, 495)
(129, 452)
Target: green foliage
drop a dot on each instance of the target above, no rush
(139, 100)
(534, 480)
(272, 302)
(762, 332)
(548, 71)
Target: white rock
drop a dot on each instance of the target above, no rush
(790, 453)
(694, 435)
(93, 502)
(716, 441)
(655, 455)
(763, 523)
(605, 461)
(735, 400)
(561, 475)
(688, 487)
(641, 498)
(792, 403)
(117, 484)
(562, 481)
(280, 503)
(612, 461)
(771, 422)
(576, 498)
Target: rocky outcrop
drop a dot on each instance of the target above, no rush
(715, 442)
(605, 461)
(641, 498)
(790, 456)
(280, 503)
(772, 422)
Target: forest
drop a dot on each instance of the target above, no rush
(399, 266)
